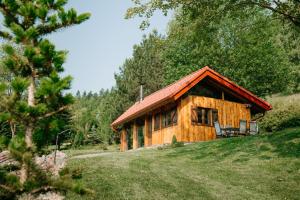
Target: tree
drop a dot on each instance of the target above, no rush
(288, 10)
(145, 64)
(37, 87)
(243, 45)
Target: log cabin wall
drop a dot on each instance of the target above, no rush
(164, 135)
(229, 113)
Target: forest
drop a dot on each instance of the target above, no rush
(254, 43)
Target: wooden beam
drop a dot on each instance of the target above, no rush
(135, 135)
(146, 132)
(123, 145)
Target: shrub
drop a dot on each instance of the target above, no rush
(175, 143)
(4, 141)
(76, 173)
(174, 140)
(285, 114)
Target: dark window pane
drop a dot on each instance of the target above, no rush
(168, 118)
(157, 122)
(163, 120)
(174, 116)
(149, 124)
(215, 115)
(199, 115)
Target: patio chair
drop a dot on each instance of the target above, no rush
(253, 128)
(219, 130)
(229, 130)
(243, 127)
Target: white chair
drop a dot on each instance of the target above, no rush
(243, 127)
(219, 130)
(253, 128)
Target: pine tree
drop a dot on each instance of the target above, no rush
(37, 87)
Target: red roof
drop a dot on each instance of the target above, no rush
(176, 90)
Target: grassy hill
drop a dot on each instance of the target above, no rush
(255, 167)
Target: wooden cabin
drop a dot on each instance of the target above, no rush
(187, 109)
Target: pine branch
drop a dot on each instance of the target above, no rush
(5, 35)
(53, 113)
(8, 13)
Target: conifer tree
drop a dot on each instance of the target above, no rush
(37, 87)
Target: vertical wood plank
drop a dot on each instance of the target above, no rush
(135, 136)
(146, 132)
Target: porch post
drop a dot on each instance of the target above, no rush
(135, 136)
(146, 131)
(124, 145)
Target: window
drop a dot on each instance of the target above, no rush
(214, 115)
(169, 118)
(157, 122)
(174, 116)
(204, 116)
(149, 119)
(163, 120)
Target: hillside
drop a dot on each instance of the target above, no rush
(255, 167)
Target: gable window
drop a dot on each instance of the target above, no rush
(204, 116)
(157, 121)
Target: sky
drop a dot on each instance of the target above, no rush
(99, 46)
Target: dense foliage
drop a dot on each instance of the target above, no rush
(285, 113)
(92, 114)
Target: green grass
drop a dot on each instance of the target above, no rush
(90, 149)
(255, 167)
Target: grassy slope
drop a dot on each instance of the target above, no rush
(256, 167)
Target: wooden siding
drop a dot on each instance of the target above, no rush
(147, 132)
(229, 113)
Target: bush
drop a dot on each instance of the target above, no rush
(285, 114)
(4, 141)
(76, 173)
(175, 143)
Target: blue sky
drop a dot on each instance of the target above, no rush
(98, 47)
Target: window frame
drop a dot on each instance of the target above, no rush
(207, 116)
(155, 127)
(168, 118)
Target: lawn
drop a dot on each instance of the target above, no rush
(255, 167)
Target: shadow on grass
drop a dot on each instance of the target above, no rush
(285, 144)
